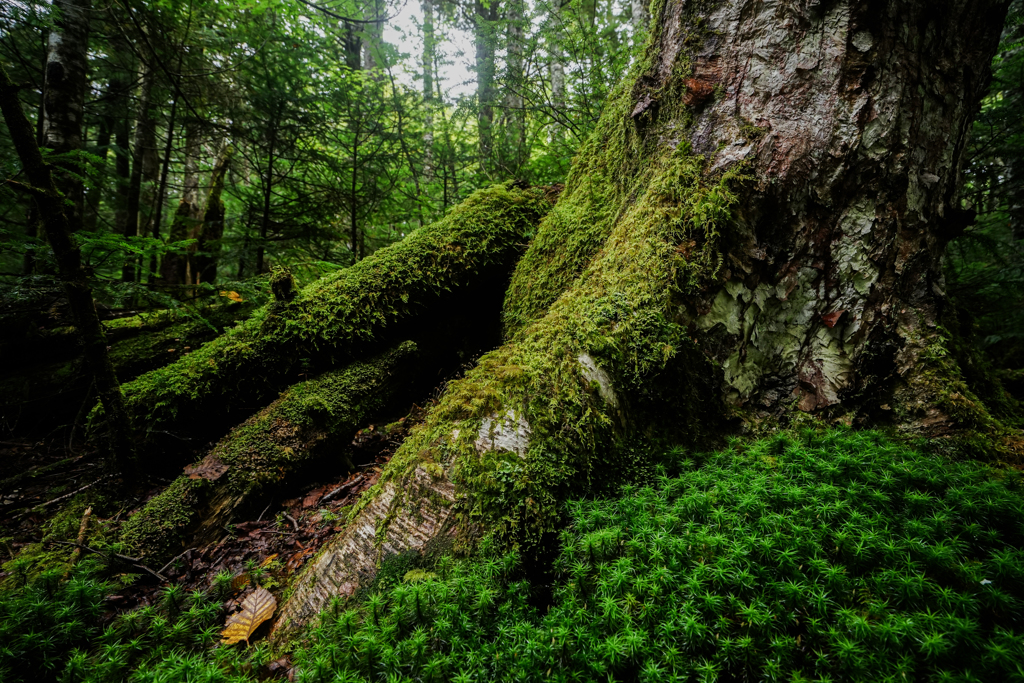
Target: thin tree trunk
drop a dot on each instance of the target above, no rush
(556, 69)
(268, 193)
(122, 160)
(429, 48)
(639, 21)
(93, 197)
(33, 228)
(484, 19)
(207, 253)
(72, 275)
(162, 189)
(173, 269)
(67, 66)
(515, 116)
(141, 167)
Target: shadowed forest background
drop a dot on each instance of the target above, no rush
(230, 155)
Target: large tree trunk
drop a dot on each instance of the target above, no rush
(753, 232)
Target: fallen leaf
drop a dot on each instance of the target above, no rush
(209, 468)
(268, 560)
(239, 581)
(234, 296)
(256, 609)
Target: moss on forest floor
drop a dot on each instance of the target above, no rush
(834, 555)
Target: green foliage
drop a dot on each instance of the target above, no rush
(52, 631)
(836, 556)
(985, 266)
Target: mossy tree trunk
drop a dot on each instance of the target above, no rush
(312, 419)
(753, 233)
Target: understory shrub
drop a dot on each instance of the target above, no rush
(838, 556)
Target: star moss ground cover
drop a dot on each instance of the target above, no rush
(835, 556)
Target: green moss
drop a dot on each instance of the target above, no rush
(157, 529)
(48, 554)
(343, 312)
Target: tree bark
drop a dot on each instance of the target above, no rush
(753, 232)
(67, 66)
(639, 21)
(429, 50)
(161, 190)
(143, 167)
(515, 115)
(203, 260)
(556, 68)
(122, 160)
(174, 267)
(265, 450)
(484, 18)
(54, 214)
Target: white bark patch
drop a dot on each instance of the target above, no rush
(593, 373)
(405, 515)
(509, 432)
(863, 41)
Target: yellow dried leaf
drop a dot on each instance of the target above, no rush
(240, 581)
(268, 560)
(234, 296)
(256, 609)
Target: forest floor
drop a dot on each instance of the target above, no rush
(39, 478)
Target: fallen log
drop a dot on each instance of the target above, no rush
(311, 419)
(340, 316)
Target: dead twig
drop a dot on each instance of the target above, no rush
(64, 497)
(292, 520)
(77, 552)
(133, 561)
(173, 560)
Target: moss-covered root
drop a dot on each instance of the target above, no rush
(268, 447)
(570, 406)
(343, 313)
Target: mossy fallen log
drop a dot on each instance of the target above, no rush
(343, 315)
(311, 419)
